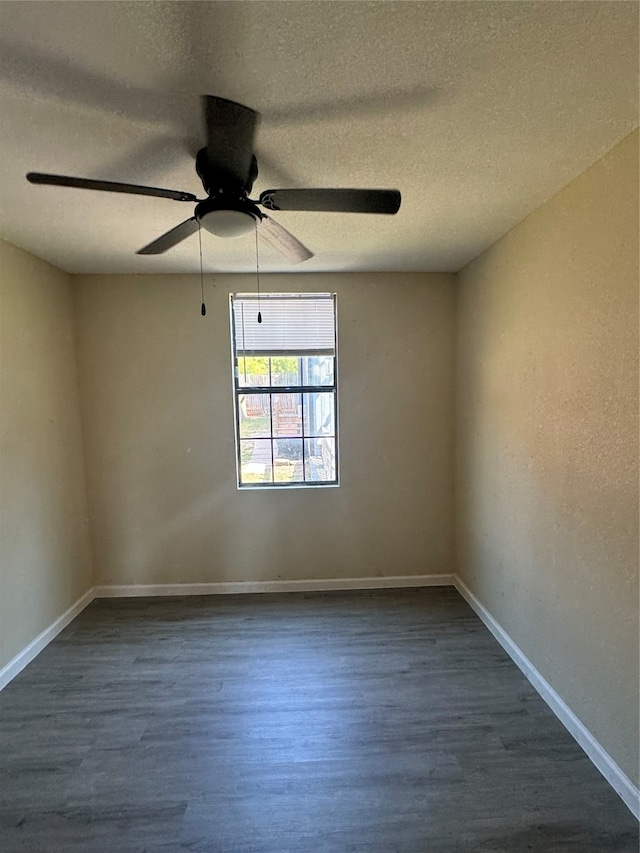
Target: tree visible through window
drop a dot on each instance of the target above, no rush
(285, 388)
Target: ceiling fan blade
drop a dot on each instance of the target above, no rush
(231, 129)
(339, 200)
(171, 238)
(107, 186)
(277, 236)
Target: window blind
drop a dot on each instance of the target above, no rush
(301, 324)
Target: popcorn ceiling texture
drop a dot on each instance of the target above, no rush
(477, 112)
(547, 443)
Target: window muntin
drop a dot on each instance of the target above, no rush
(285, 389)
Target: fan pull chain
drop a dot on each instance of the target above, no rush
(258, 275)
(203, 307)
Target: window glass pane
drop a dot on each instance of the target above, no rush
(317, 370)
(319, 413)
(252, 371)
(255, 415)
(285, 370)
(287, 414)
(287, 460)
(286, 430)
(319, 459)
(255, 461)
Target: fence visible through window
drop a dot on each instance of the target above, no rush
(285, 389)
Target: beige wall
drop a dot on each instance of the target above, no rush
(156, 392)
(547, 443)
(45, 559)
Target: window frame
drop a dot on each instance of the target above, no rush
(272, 390)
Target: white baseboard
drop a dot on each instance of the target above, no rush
(18, 663)
(614, 775)
(235, 587)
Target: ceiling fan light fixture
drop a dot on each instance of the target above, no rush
(228, 223)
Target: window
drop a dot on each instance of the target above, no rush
(285, 389)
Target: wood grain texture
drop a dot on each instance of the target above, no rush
(387, 722)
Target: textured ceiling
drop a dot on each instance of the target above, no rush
(477, 111)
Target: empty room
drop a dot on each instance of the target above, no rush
(319, 427)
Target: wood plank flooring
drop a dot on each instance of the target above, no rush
(346, 722)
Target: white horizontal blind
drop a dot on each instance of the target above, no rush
(300, 324)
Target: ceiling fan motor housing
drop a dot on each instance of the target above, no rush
(227, 212)
(214, 179)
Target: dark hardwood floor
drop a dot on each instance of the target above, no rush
(382, 722)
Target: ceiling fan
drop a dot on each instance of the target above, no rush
(228, 168)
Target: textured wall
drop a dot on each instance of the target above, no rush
(45, 559)
(547, 443)
(156, 392)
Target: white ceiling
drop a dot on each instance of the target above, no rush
(477, 111)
